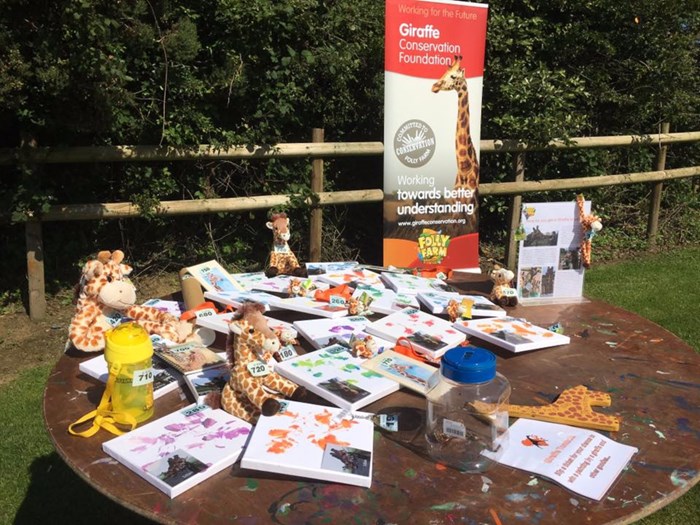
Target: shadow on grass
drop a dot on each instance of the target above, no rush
(58, 495)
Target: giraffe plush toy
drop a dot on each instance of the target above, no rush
(503, 294)
(253, 387)
(106, 297)
(590, 225)
(282, 258)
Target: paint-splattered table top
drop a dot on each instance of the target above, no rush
(652, 375)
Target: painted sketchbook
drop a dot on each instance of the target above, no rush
(165, 379)
(353, 275)
(436, 302)
(205, 381)
(516, 335)
(248, 279)
(411, 284)
(280, 284)
(171, 307)
(427, 333)
(309, 306)
(219, 323)
(317, 268)
(182, 449)
(581, 460)
(189, 357)
(408, 372)
(237, 298)
(386, 301)
(335, 375)
(312, 441)
(213, 277)
(324, 332)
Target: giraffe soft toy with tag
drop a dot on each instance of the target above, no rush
(282, 258)
(590, 225)
(254, 387)
(107, 297)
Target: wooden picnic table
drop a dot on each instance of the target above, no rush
(652, 376)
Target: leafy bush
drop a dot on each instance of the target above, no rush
(182, 73)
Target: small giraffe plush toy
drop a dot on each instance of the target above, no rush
(106, 297)
(503, 294)
(254, 388)
(590, 225)
(282, 258)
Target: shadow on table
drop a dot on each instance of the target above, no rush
(57, 495)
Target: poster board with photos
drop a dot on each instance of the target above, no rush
(549, 260)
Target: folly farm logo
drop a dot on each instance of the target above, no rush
(414, 143)
(432, 246)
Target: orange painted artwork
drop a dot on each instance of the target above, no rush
(312, 441)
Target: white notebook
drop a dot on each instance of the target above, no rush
(427, 333)
(436, 302)
(312, 441)
(335, 375)
(184, 448)
(516, 335)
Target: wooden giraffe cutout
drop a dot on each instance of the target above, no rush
(572, 407)
(250, 343)
(467, 163)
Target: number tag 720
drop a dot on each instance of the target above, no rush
(258, 369)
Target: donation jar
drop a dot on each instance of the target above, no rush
(129, 356)
(467, 412)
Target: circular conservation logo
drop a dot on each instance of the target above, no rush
(414, 143)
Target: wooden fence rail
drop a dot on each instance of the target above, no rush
(316, 151)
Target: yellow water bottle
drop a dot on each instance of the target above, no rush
(129, 353)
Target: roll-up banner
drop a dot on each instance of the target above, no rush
(434, 64)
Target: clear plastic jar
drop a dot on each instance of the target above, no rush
(467, 410)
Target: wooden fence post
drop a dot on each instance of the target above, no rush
(514, 212)
(655, 203)
(35, 270)
(317, 135)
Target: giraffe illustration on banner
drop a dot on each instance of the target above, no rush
(467, 179)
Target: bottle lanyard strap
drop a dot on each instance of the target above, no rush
(104, 416)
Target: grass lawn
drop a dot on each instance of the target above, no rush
(37, 487)
(664, 288)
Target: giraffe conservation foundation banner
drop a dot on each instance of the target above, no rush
(434, 64)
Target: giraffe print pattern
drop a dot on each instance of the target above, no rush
(282, 258)
(106, 298)
(467, 162)
(251, 340)
(590, 224)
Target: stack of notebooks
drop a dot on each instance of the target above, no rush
(330, 443)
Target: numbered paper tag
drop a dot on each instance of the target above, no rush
(114, 319)
(389, 422)
(287, 352)
(454, 428)
(206, 312)
(509, 292)
(337, 300)
(142, 377)
(258, 369)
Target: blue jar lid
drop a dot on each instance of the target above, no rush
(468, 364)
